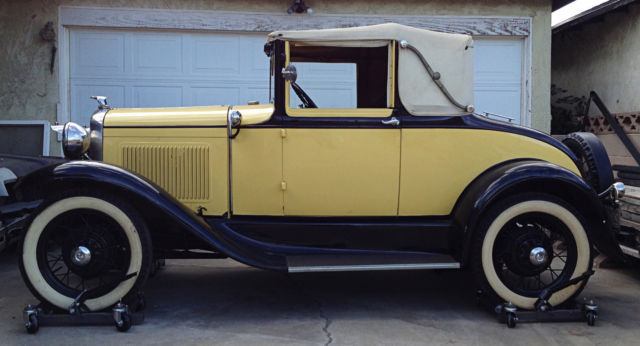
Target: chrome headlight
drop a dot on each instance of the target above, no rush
(96, 126)
(75, 140)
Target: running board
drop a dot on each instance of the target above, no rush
(369, 262)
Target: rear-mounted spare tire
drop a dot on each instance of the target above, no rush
(593, 161)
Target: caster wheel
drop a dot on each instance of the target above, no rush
(511, 320)
(33, 325)
(591, 318)
(125, 324)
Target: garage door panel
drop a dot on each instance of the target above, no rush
(497, 79)
(252, 48)
(259, 94)
(215, 56)
(205, 96)
(157, 96)
(503, 101)
(157, 54)
(98, 53)
(160, 69)
(83, 106)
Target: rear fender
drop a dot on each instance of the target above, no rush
(90, 174)
(531, 176)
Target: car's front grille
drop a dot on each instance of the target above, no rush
(180, 169)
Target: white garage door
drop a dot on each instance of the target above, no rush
(497, 80)
(164, 69)
(158, 69)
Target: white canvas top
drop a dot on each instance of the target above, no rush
(449, 54)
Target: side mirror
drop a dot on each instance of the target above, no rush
(290, 74)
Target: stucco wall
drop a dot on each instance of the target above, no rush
(29, 91)
(602, 56)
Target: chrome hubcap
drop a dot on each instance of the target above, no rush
(81, 256)
(538, 256)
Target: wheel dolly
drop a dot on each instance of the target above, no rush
(544, 312)
(79, 315)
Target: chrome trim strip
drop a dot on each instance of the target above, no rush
(96, 134)
(372, 267)
(229, 160)
(6, 176)
(629, 251)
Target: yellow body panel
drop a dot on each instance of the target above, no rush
(257, 172)
(438, 164)
(186, 116)
(189, 163)
(341, 172)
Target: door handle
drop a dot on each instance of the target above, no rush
(393, 122)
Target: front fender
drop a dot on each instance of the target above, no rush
(532, 176)
(47, 181)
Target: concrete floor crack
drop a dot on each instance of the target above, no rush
(327, 321)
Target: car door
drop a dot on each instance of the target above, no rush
(341, 158)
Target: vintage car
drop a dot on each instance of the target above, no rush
(402, 175)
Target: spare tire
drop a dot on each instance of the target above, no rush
(593, 161)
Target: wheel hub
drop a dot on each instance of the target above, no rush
(527, 251)
(81, 256)
(538, 256)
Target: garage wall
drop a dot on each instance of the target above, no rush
(602, 56)
(29, 91)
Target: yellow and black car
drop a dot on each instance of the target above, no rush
(401, 176)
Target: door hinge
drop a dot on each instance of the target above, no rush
(283, 133)
(283, 185)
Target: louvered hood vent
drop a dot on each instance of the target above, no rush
(180, 169)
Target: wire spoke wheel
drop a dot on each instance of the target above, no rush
(527, 243)
(85, 241)
(83, 249)
(533, 252)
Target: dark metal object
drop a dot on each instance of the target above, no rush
(120, 316)
(544, 312)
(299, 7)
(587, 312)
(48, 34)
(593, 96)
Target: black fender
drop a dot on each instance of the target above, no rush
(90, 174)
(517, 176)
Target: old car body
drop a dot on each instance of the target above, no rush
(403, 177)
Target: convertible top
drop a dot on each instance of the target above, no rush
(449, 54)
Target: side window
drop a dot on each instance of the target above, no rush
(330, 85)
(341, 81)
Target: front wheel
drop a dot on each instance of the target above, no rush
(85, 242)
(527, 243)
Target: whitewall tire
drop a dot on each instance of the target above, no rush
(85, 241)
(526, 243)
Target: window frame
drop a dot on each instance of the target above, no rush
(345, 112)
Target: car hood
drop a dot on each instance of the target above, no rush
(201, 116)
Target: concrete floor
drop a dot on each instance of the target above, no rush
(221, 302)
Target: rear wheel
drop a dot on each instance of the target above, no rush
(527, 243)
(85, 242)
